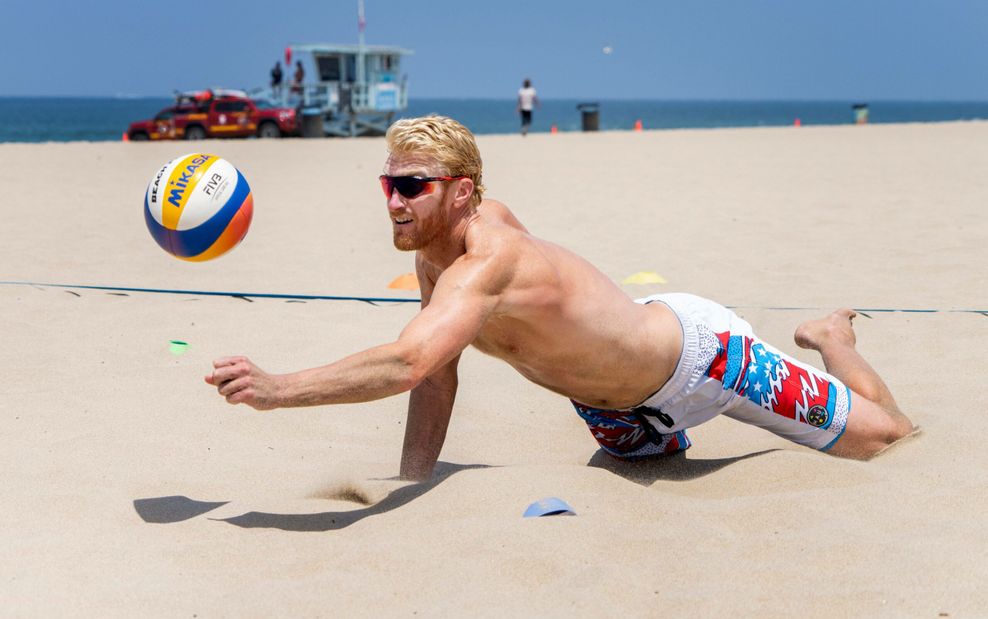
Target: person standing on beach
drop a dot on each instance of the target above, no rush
(298, 78)
(276, 77)
(639, 373)
(527, 100)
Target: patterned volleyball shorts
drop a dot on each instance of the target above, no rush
(724, 369)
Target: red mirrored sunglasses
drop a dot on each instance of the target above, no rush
(412, 186)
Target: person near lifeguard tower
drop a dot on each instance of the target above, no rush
(276, 77)
(299, 78)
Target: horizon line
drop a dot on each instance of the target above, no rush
(129, 97)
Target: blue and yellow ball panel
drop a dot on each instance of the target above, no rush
(198, 207)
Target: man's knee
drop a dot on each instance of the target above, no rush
(898, 429)
(871, 431)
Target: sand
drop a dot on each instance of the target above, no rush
(131, 489)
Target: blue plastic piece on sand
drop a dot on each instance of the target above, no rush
(549, 506)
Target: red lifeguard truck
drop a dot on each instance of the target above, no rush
(216, 113)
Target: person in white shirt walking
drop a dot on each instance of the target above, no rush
(527, 99)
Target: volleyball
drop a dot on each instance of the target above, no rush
(198, 207)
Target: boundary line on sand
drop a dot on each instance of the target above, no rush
(864, 310)
(375, 300)
(213, 293)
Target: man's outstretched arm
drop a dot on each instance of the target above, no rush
(373, 374)
(436, 336)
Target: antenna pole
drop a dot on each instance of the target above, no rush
(361, 24)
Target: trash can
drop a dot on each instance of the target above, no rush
(591, 116)
(312, 123)
(860, 113)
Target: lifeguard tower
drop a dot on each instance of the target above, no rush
(359, 90)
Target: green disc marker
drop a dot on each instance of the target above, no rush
(178, 347)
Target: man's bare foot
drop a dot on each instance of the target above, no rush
(836, 327)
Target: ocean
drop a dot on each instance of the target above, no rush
(66, 119)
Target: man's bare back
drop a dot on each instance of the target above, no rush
(562, 323)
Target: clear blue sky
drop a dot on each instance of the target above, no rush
(688, 49)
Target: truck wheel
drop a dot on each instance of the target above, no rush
(195, 133)
(139, 137)
(268, 130)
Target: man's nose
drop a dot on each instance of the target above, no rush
(395, 202)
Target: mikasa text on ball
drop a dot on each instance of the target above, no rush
(198, 207)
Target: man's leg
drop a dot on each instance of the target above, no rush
(875, 421)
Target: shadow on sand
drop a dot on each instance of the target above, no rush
(170, 509)
(166, 509)
(676, 467)
(178, 508)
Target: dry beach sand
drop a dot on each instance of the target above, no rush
(131, 489)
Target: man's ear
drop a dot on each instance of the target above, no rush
(464, 190)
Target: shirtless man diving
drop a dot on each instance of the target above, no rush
(638, 372)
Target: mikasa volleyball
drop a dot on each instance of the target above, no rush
(198, 207)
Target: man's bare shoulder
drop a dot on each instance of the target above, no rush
(496, 237)
(499, 211)
(493, 243)
(495, 233)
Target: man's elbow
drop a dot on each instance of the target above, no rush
(412, 378)
(414, 369)
(420, 362)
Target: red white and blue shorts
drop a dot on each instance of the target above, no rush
(724, 369)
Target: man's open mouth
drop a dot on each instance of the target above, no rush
(400, 221)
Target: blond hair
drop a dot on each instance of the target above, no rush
(444, 139)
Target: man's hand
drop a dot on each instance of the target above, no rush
(242, 382)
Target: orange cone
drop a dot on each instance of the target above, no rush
(408, 281)
(126, 138)
(554, 130)
(798, 123)
(638, 125)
